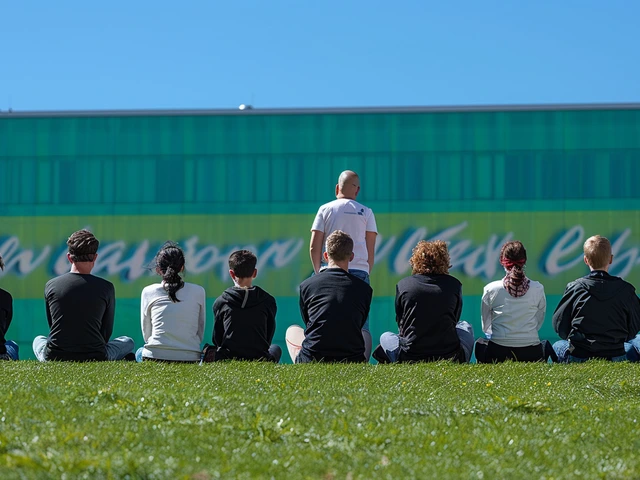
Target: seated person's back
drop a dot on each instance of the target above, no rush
(513, 311)
(334, 306)
(172, 312)
(598, 313)
(80, 310)
(244, 315)
(428, 306)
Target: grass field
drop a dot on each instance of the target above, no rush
(242, 420)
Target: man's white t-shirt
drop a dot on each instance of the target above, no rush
(351, 217)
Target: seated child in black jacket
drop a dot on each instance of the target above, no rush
(244, 315)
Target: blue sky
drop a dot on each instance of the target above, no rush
(218, 54)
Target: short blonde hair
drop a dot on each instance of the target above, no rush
(597, 251)
(339, 246)
(430, 258)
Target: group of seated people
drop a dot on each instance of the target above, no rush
(598, 316)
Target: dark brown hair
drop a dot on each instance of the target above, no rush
(83, 246)
(513, 256)
(243, 263)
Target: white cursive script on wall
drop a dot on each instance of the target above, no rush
(567, 252)
(133, 261)
(481, 260)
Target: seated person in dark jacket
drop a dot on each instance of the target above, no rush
(8, 348)
(80, 310)
(334, 305)
(428, 307)
(597, 313)
(244, 315)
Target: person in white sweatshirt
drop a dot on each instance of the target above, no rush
(172, 312)
(513, 310)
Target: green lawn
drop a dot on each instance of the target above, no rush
(241, 420)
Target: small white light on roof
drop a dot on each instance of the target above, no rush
(245, 107)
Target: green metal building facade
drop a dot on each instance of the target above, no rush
(216, 181)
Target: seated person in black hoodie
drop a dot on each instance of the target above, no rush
(244, 315)
(597, 313)
(428, 308)
(334, 305)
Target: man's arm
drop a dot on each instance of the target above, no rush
(109, 314)
(315, 249)
(370, 239)
(563, 315)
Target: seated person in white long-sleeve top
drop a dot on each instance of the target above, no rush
(172, 312)
(512, 313)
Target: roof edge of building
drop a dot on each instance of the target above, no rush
(322, 110)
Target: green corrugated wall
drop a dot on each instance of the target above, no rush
(550, 178)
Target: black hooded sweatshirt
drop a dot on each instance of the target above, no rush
(597, 314)
(244, 323)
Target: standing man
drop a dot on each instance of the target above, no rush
(334, 306)
(353, 218)
(80, 310)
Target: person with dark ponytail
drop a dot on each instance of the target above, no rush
(513, 310)
(172, 312)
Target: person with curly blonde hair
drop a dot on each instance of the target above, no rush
(428, 308)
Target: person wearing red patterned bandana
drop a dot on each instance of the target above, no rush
(513, 311)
